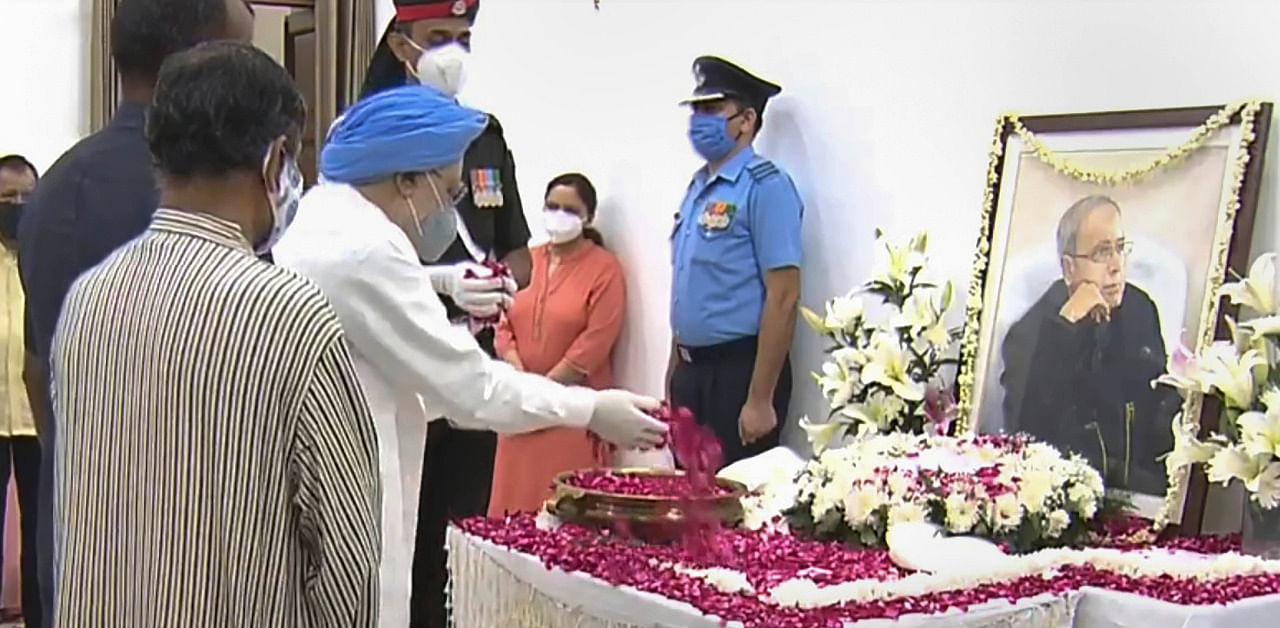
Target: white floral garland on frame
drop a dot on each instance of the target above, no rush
(966, 378)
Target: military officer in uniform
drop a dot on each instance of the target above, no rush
(429, 42)
(735, 253)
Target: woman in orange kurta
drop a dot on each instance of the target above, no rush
(563, 326)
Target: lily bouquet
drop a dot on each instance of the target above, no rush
(884, 375)
(1242, 372)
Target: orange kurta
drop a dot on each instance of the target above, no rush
(574, 315)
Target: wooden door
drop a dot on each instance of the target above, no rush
(300, 60)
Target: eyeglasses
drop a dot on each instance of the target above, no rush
(460, 195)
(1106, 252)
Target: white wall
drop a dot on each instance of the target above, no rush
(45, 103)
(885, 118)
(268, 30)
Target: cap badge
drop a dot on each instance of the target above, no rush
(459, 7)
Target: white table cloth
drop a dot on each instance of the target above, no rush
(493, 586)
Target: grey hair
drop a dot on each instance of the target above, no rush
(1069, 224)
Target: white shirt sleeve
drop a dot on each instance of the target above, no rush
(394, 319)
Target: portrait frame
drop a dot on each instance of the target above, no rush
(1241, 127)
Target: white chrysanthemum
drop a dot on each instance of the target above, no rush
(899, 484)
(1041, 454)
(1056, 523)
(827, 497)
(987, 453)
(1006, 513)
(1035, 489)
(906, 512)
(962, 514)
(1083, 500)
(860, 504)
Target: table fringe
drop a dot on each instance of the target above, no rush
(484, 594)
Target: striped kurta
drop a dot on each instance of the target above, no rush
(216, 459)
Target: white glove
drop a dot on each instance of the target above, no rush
(620, 418)
(481, 298)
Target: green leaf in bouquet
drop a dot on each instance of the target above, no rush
(799, 517)
(828, 527)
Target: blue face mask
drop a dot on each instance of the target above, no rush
(709, 134)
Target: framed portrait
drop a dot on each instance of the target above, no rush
(1105, 238)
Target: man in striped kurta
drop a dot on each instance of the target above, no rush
(216, 461)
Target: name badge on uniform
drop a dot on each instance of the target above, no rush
(717, 215)
(486, 188)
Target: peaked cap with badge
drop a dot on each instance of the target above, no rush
(718, 78)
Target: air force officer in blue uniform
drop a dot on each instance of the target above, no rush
(735, 253)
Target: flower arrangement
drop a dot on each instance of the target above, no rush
(1006, 488)
(885, 376)
(1243, 374)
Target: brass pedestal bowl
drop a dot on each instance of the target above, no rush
(647, 517)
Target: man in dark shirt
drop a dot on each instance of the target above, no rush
(100, 194)
(1079, 364)
(428, 43)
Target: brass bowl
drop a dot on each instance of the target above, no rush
(650, 517)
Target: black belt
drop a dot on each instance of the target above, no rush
(732, 350)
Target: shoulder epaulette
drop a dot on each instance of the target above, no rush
(494, 125)
(762, 170)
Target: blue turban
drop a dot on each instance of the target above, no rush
(406, 129)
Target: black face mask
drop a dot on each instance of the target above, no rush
(10, 216)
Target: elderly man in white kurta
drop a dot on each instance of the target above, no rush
(392, 166)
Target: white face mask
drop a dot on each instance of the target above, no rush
(442, 67)
(284, 202)
(562, 226)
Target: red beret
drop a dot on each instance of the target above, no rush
(415, 10)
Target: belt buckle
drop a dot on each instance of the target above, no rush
(684, 355)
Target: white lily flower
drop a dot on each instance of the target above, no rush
(888, 367)
(1260, 432)
(1266, 486)
(880, 410)
(1255, 291)
(836, 384)
(814, 321)
(1183, 372)
(1231, 373)
(1187, 449)
(822, 435)
(917, 313)
(1264, 326)
(849, 358)
(844, 313)
(895, 264)
(1233, 463)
